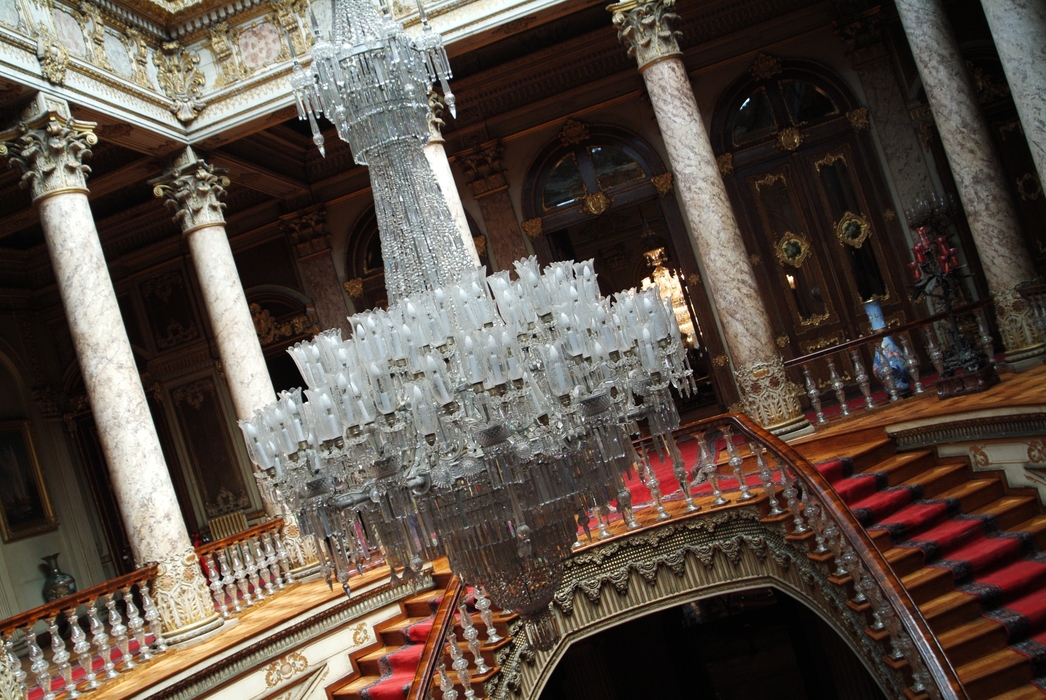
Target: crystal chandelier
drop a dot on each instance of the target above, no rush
(668, 282)
(477, 417)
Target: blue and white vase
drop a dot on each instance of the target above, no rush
(888, 356)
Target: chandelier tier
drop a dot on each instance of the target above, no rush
(478, 416)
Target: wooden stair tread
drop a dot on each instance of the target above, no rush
(975, 493)
(939, 479)
(989, 666)
(1010, 511)
(862, 455)
(1024, 692)
(904, 466)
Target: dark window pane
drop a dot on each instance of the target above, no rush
(564, 183)
(805, 102)
(753, 119)
(373, 261)
(614, 167)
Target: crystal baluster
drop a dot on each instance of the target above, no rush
(136, 624)
(471, 635)
(60, 657)
(460, 664)
(252, 570)
(766, 477)
(118, 630)
(228, 580)
(933, 349)
(272, 561)
(239, 574)
(911, 363)
(833, 537)
(14, 665)
(100, 639)
(711, 472)
(446, 685)
(152, 616)
(624, 506)
(282, 555)
(862, 378)
(889, 381)
(790, 492)
(582, 524)
(602, 517)
(984, 337)
(812, 393)
(263, 567)
(815, 517)
(838, 387)
(214, 579)
(679, 470)
(38, 664)
(738, 465)
(486, 615)
(651, 482)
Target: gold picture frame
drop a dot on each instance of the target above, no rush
(25, 506)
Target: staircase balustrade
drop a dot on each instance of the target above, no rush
(827, 363)
(124, 627)
(247, 567)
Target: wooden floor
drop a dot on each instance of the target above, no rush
(1026, 389)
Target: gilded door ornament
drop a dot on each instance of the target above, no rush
(792, 249)
(853, 229)
(725, 163)
(662, 183)
(354, 288)
(720, 360)
(179, 76)
(770, 179)
(533, 228)
(830, 160)
(858, 118)
(889, 214)
(756, 259)
(596, 203)
(789, 139)
(693, 279)
(574, 132)
(765, 66)
(782, 341)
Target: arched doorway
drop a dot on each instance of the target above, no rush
(794, 148)
(600, 192)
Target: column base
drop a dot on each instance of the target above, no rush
(197, 629)
(1025, 358)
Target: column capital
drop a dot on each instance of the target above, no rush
(307, 230)
(49, 146)
(647, 27)
(483, 169)
(191, 188)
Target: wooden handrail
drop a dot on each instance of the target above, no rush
(940, 668)
(267, 526)
(879, 335)
(1032, 290)
(74, 600)
(433, 651)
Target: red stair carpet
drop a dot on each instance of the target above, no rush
(398, 667)
(1002, 569)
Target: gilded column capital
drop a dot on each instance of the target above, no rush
(307, 230)
(49, 146)
(647, 27)
(483, 169)
(191, 188)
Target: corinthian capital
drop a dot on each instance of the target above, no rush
(647, 27)
(191, 189)
(49, 146)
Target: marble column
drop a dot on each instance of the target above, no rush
(886, 105)
(1019, 30)
(978, 174)
(49, 146)
(307, 230)
(486, 179)
(647, 28)
(191, 189)
(436, 154)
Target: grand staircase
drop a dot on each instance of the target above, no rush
(967, 547)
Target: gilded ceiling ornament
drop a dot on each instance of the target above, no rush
(49, 146)
(179, 76)
(858, 118)
(648, 29)
(789, 139)
(354, 288)
(483, 169)
(596, 203)
(662, 183)
(307, 230)
(191, 189)
(220, 44)
(573, 132)
(725, 163)
(53, 56)
(138, 49)
(533, 228)
(269, 330)
(91, 24)
(853, 229)
(765, 66)
(285, 15)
